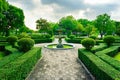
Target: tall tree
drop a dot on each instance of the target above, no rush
(110, 27)
(84, 22)
(68, 23)
(3, 7)
(13, 19)
(42, 25)
(101, 23)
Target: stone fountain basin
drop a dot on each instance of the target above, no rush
(54, 46)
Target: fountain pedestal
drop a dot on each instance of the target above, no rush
(60, 45)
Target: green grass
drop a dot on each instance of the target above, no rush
(64, 46)
(117, 57)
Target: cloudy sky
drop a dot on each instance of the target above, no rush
(53, 10)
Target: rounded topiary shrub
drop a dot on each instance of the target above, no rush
(109, 40)
(25, 44)
(72, 36)
(12, 40)
(88, 43)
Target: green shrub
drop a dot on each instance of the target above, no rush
(93, 37)
(72, 36)
(36, 36)
(109, 40)
(100, 69)
(88, 43)
(75, 40)
(20, 67)
(44, 40)
(46, 36)
(23, 35)
(12, 40)
(25, 44)
(99, 48)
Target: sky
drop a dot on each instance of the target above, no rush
(53, 10)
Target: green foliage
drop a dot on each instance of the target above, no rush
(44, 40)
(42, 25)
(25, 44)
(12, 40)
(93, 37)
(98, 48)
(109, 40)
(23, 35)
(88, 43)
(70, 24)
(101, 23)
(20, 67)
(8, 59)
(74, 40)
(107, 56)
(72, 36)
(117, 28)
(96, 65)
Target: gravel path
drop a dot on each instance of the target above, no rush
(58, 65)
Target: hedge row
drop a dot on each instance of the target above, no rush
(75, 40)
(99, 48)
(110, 51)
(13, 54)
(8, 59)
(19, 69)
(100, 69)
(99, 41)
(44, 40)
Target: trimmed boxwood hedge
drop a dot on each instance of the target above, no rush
(110, 51)
(99, 48)
(44, 40)
(8, 59)
(74, 40)
(100, 69)
(19, 68)
(13, 55)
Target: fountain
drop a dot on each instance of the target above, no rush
(59, 45)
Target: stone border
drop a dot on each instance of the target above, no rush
(33, 68)
(88, 72)
(73, 46)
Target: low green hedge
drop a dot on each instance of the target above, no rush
(44, 40)
(109, 51)
(99, 48)
(100, 69)
(75, 40)
(8, 59)
(13, 54)
(99, 41)
(20, 68)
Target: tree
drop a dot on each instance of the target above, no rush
(42, 25)
(13, 19)
(3, 7)
(88, 29)
(84, 22)
(101, 23)
(68, 23)
(110, 27)
(117, 28)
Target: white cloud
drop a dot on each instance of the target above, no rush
(96, 2)
(54, 10)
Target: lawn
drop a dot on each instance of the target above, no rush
(117, 57)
